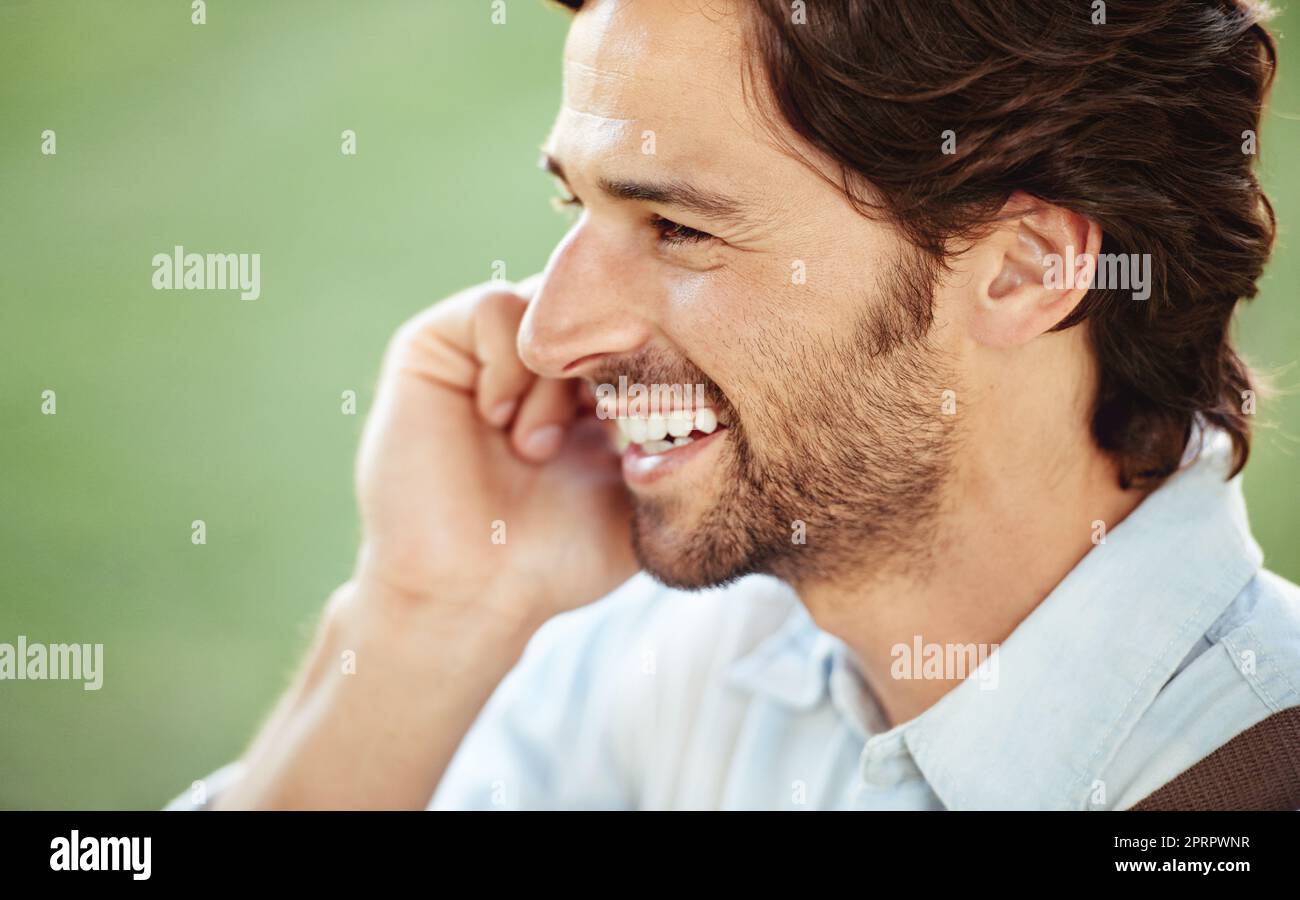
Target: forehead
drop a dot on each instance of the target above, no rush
(623, 55)
(669, 68)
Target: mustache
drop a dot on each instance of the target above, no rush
(651, 368)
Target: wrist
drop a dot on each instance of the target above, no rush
(446, 629)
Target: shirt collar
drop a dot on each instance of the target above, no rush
(1081, 669)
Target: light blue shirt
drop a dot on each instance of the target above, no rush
(1163, 643)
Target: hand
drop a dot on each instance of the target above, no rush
(465, 444)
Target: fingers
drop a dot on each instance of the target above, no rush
(468, 343)
(537, 410)
(502, 377)
(544, 416)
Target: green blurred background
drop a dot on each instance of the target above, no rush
(176, 406)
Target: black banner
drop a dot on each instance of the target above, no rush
(208, 849)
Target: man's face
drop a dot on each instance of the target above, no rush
(705, 253)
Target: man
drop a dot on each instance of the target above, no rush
(966, 511)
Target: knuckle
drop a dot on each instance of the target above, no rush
(498, 304)
(407, 336)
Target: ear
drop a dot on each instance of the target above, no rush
(1030, 272)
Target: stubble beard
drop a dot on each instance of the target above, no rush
(857, 446)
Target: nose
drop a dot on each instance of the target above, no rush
(589, 306)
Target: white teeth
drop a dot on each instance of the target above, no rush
(657, 434)
(656, 428)
(636, 430)
(680, 425)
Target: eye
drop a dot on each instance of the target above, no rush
(565, 203)
(673, 234)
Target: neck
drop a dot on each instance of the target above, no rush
(1017, 519)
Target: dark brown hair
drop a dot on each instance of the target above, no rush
(1139, 122)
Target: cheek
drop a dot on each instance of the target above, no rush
(707, 315)
(752, 331)
(771, 336)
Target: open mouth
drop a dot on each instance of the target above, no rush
(654, 447)
(655, 435)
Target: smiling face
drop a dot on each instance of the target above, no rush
(705, 253)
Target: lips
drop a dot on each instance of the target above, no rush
(646, 465)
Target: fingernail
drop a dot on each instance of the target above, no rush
(500, 413)
(544, 441)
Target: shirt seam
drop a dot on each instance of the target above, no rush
(1255, 682)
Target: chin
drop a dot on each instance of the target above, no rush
(690, 552)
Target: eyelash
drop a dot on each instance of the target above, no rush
(673, 234)
(670, 232)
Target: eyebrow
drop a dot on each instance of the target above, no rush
(680, 194)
